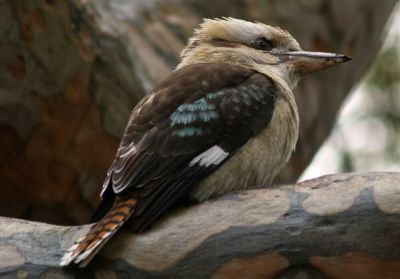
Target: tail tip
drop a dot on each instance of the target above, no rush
(69, 255)
(66, 259)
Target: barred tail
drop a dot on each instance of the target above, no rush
(87, 247)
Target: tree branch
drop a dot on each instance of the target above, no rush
(339, 225)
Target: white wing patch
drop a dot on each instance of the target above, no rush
(212, 156)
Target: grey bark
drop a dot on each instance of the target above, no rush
(338, 226)
(73, 70)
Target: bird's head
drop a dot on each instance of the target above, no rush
(270, 50)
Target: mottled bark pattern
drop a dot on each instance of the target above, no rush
(71, 71)
(337, 227)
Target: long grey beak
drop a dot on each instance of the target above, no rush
(305, 62)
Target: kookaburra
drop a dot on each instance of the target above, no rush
(225, 119)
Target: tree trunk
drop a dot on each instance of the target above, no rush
(73, 70)
(339, 226)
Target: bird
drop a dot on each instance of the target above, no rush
(224, 120)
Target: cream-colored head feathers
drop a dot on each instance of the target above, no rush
(240, 31)
(230, 40)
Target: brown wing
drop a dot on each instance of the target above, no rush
(196, 108)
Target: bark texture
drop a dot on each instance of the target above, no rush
(71, 71)
(339, 226)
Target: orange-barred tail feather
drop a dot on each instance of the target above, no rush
(85, 248)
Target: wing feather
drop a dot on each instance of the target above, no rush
(199, 107)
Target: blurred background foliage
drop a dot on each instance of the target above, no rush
(366, 136)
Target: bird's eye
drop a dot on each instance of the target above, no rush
(263, 43)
